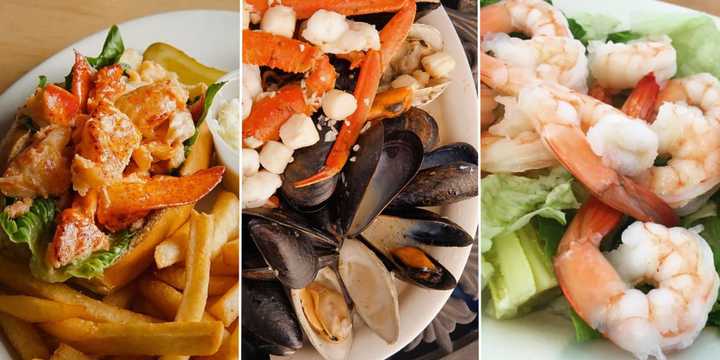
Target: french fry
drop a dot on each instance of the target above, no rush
(225, 213)
(121, 298)
(24, 338)
(170, 338)
(142, 306)
(32, 309)
(18, 278)
(165, 298)
(172, 250)
(197, 267)
(226, 307)
(67, 352)
(175, 277)
(228, 350)
(227, 260)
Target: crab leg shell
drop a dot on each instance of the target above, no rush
(365, 90)
(395, 31)
(289, 55)
(270, 113)
(306, 8)
(391, 103)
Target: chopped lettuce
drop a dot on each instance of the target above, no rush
(707, 217)
(509, 202)
(595, 26)
(209, 96)
(33, 231)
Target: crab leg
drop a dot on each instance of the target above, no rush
(391, 103)
(270, 113)
(306, 8)
(365, 90)
(395, 31)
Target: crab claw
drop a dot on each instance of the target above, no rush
(365, 90)
(82, 75)
(128, 200)
(305, 9)
(641, 102)
(53, 105)
(391, 103)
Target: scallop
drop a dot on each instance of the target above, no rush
(370, 286)
(325, 315)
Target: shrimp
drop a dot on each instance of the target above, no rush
(41, 169)
(551, 58)
(532, 17)
(677, 261)
(688, 129)
(621, 66)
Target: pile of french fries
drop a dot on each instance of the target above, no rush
(184, 306)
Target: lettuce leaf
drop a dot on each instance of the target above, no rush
(209, 96)
(33, 231)
(509, 202)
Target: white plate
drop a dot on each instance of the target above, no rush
(211, 37)
(544, 335)
(456, 113)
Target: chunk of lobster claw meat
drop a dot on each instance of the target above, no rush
(152, 105)
(52, 105)
(108, 85)
(104, 145)
(42, 168)
(127, 198)
(76, 235)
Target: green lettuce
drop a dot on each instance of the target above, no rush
(509, 202)
(112, 50)
(209, 96)
(32, 232)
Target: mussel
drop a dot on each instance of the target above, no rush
(307, 161)
(420, 123)
(400, 238)
(384, 164)
(380, 19)
(267, 318)
(449, 174)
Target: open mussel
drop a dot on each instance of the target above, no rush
(288, 244)
(324, 315)
(383, 165)
(450, 175)
(268, 319)
(308, 161)
(370, 285)
(418, 121)
(401, 237)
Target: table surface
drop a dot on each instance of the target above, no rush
(33, 30)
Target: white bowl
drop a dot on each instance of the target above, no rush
(226, 154)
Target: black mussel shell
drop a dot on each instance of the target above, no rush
(439, 278)
(419, 122)
(252, 348)
(289, 252)
(416, 227)
(440, 185)
(447, 154)
(424, 7)
(380, 19)
(296, 221)
(384, 164)
(306, 162)
(268, 318)
(346, 78)
(253, 263)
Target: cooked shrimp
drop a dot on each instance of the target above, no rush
(598, 161)
(551, 58)
(620, 66)
(532, 17)
(699, 90)
(512, 144)
(676, 261)
(487, 106)
(41, 169)
(106, 143)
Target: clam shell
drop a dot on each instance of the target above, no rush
(328, 350)
(378, 307)
(428, 94)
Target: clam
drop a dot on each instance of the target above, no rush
(429, 93)
(384, 164)
(427, 34)
(324, 315)
(361, 269)
(268, 319)
(420, 122)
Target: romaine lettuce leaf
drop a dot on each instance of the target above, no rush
(33, 231)
(509, 202)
